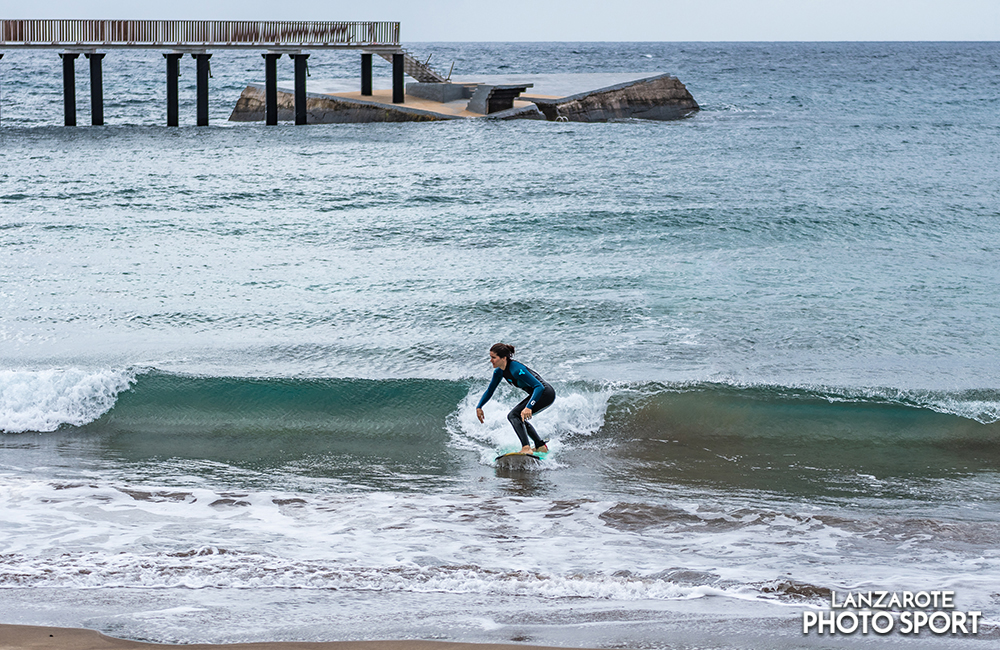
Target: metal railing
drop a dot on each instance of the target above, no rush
(196, 33)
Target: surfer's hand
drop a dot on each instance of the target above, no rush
(479, 414)
(526, 414)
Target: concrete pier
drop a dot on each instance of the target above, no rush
(433, 97)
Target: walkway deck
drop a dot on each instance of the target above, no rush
(200, 34)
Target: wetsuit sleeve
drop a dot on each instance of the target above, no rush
(497, 376)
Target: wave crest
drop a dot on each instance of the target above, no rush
(44, 400)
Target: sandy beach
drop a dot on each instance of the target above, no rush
(31, 637)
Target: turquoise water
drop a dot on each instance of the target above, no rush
(239, 364)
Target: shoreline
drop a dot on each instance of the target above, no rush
(36, 637)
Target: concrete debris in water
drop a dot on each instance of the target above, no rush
(657, 97)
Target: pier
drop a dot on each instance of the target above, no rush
(92, 38)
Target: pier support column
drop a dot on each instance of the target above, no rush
(397, 79)
(96, 88)
(301, 70)
(366, 73)
(203, 71)
(69, 86)
(173, 72)
(271, 87)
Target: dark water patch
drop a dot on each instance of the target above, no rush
(434, 199)
(892, 531)
(638, 517)
(785, 440)
(651, 518)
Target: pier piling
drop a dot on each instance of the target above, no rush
(96, 88)
(203, 72)
(271, 87)
(173, 72)
(398, 69)
(366, 74)
(301, 69)
(69, 87)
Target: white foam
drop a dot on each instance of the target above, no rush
(100, 534)
(43, 400)
(574, 413)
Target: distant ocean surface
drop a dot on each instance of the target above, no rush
(239, 364)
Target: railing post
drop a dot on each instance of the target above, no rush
(173, 72)
(96, 88)
(69, 86)
(271, 87)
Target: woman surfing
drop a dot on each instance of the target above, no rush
(540, 395)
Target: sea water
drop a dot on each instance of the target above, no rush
(239, 364)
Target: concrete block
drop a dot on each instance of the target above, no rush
(440, 92)
(490, 98)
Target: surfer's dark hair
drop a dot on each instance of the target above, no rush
(503, 350)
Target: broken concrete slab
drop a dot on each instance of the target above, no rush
(653, 97)
(663, 97)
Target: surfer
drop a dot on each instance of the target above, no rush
(540, 395)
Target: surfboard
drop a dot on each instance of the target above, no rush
(517, 460)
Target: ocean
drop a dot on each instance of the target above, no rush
(239, 364)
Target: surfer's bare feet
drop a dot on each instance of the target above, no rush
(526, 449)
(542, 449)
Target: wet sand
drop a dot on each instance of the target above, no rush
(30, 637)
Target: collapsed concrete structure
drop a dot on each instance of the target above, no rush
(655, 97)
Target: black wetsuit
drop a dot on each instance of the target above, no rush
(540, 395)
